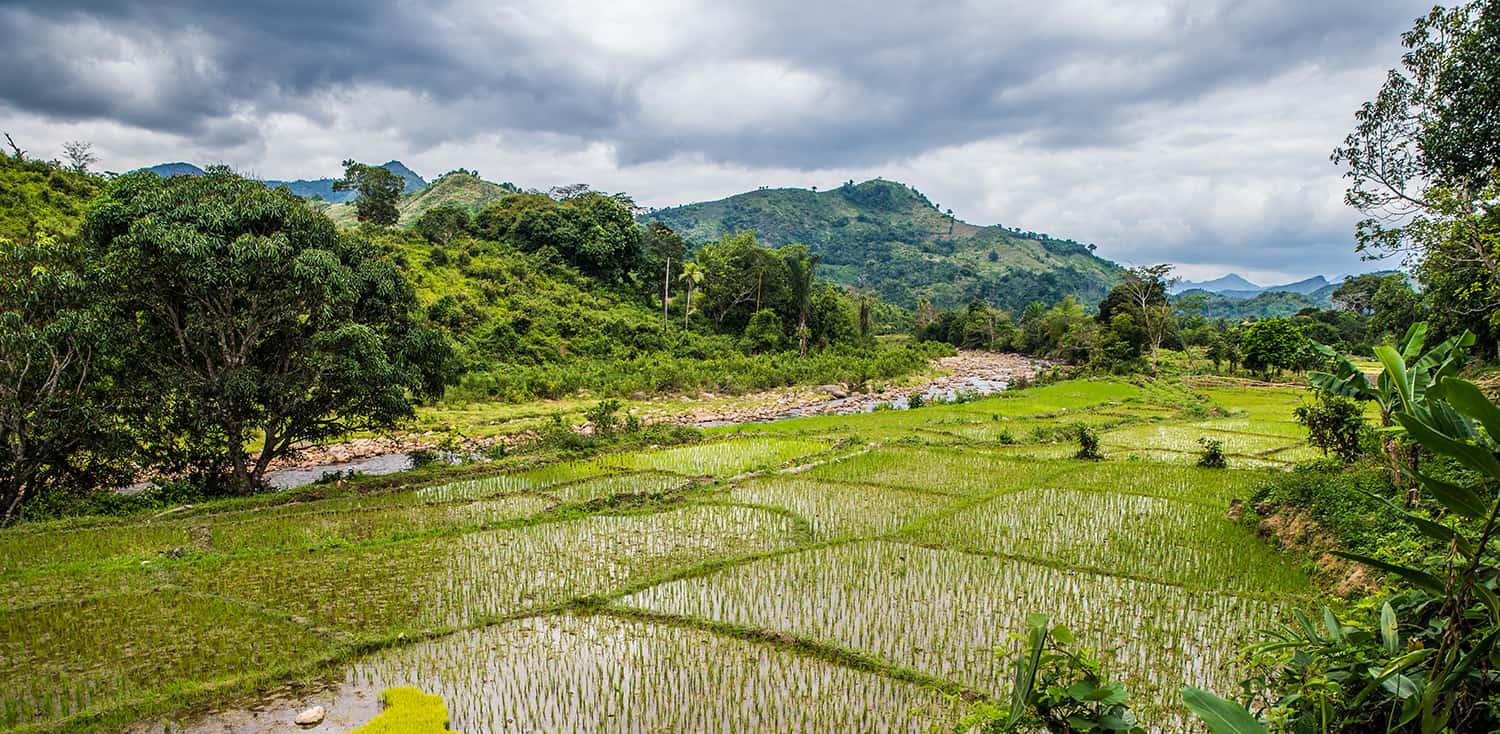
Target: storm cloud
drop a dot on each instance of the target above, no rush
(1195, 132)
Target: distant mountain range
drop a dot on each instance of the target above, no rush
(321, 188)
(1234, 286)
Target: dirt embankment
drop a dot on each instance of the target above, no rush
(1296, 531)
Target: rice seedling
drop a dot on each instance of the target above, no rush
(945, 471)
(926, 551)
(601, 674)
(608, 487)
(721, 458)
(1184, 439)
(79, 657)
(1120, 534)
(836, 510)
(444, 582)
(946, 613)
(523, 481)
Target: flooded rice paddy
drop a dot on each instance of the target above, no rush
(830, 573)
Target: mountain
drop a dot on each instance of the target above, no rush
(1235, 287)
(168, 170)
(461, 188)
(306, 188)
(323, 187)
(888, 237)
(1230, 282)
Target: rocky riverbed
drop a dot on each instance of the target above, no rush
(979, 373)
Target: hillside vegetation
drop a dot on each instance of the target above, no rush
(889, 237)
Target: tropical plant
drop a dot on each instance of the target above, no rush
(691, 276)
(379, 189)
(1213, 453)
(1059, 688)
(1426, 661)
(1404, 382)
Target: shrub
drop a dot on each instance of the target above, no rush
(1334, 424)
(1213, 453)
(1088, 444)
(605, 416)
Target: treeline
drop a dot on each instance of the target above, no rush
(1138, 319)
(196, 329)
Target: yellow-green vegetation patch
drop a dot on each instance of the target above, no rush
(838, 509)
(408, 711)
(1070, 395)
(722, 458)
(957, 615)
(21, 549)
(1288, 429)
(88, 656)
(948, 471)
(448, 581)
(1260, 403)
(602, 674)
(309, 529)
(1123, 534)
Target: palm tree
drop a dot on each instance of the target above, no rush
(692, 274)
(800, 266)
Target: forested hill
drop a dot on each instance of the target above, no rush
(461, 188)
(887, 236)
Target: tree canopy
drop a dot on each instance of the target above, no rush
(249, 318)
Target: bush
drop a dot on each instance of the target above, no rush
(1213, 453)
(1088, 444)
(1334, 424)
(605, 415)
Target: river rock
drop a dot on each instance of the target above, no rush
(837, 391)
(311, 717)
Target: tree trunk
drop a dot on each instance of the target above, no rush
(10, 502)
(666, 292)
(802, 333)
(687, 307)
(239, 468)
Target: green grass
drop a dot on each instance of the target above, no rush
(819, 574)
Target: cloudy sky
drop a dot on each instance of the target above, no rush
(1188, 131)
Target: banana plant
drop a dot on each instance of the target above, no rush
(1408, 373)
(1453, 419)
(1427, 681)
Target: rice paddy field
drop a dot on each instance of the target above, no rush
(861, 573)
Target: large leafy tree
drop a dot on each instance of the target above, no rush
(1424, 160)
(1142, 293)
(379, 189)
(253, 323)
(56, 426)
(1272, 344)
(740, 277)
(593, 232)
